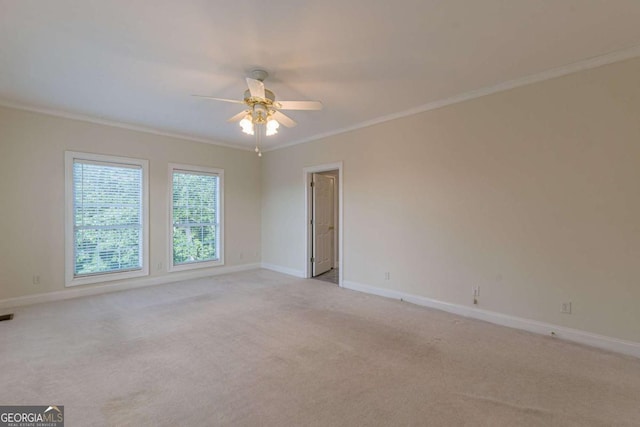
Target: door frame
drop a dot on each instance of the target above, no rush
(307, 178)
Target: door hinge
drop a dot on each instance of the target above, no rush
(313, 259)
(313, 184)
(312, 222)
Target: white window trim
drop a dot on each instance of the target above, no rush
(70, 280)
(202, 264)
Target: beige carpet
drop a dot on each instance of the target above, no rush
(261, 348)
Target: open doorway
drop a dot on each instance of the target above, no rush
(323, 185)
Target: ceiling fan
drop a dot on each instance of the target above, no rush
(262, 113)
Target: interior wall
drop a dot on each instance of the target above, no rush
(532, 194)
(32, 194)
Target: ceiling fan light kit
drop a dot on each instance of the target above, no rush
(262, 116)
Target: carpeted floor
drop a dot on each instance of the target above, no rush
(262, 348)
(331, 276)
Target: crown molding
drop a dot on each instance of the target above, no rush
(587, 64)
(114, 123)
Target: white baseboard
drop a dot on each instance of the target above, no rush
(284, 270)
(630, 348)
(87, 290)
(608, 343)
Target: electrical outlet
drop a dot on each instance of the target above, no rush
(566, 308)
(241, 255)
(36, 279)
(387, 275)
(476, 294)
(159, 266)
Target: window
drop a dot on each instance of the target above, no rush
(196, 214)
(107, 218)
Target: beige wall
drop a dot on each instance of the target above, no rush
(32, 194)
(532, 194)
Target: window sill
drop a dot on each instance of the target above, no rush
(106, 277)
(195, 265)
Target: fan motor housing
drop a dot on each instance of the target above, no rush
(268, 95)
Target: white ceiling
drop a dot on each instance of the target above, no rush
(138, 61)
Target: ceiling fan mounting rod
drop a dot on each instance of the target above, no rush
(259, 74)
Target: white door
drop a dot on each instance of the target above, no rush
(322, 195)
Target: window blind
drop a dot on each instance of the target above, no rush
(107, 217)
(195, 217)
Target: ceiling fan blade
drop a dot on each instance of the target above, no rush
(285, 120)
(235, 101)
(238, 117)
(256, 88)
(299, 105)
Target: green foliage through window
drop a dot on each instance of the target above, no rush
(195, 217)
(107, 217)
